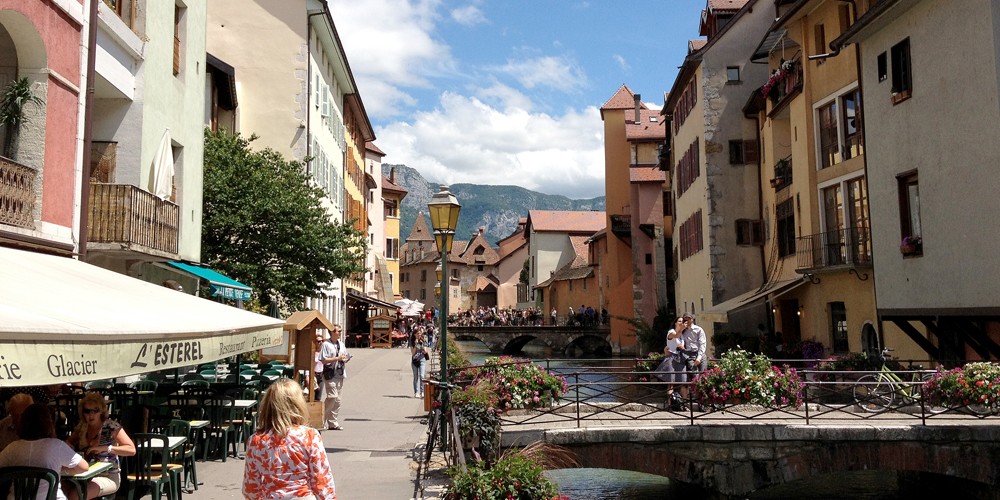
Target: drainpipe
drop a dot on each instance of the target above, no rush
(88, 129)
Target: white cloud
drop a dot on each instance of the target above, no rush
(546, 71)
(467, 140)
(397, 51)
(622, 63)
(469, 15)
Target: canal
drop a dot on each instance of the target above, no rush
(601, 484)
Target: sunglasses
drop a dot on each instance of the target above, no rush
(90, 411)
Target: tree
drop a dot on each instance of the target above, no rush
(13, 103)
(267, 226)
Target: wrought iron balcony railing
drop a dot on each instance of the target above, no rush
(17, 194)
(621, 225)
(842, 247)
(782, 174)
(137, 220)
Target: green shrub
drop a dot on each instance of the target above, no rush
(512, 477)
(476, 409)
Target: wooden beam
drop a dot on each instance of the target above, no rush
(975, 332)
(916, 336)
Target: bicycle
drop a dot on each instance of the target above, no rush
(877, 392)
(434, 418)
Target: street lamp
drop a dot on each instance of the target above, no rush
(444, 209)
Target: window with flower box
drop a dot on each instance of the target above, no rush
(909, 215)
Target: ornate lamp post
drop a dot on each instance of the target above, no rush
(444, 209)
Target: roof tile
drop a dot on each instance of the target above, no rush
(567, 221)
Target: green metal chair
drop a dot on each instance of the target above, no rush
(99, 384)
(151, 467)
(187, 454)
(26, 482)
(144, 385)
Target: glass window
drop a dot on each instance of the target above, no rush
(785, 217)
(909, 212)
(833, 213)
(828, 145)
(851, 123)
(733, 73)
(900, 55)
(838, 326)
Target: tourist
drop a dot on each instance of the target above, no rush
(334, 357)
(8, 426)
(39, 447)
(286, 458)
(695, 343)
(100, 439)
(673, 369)
(419, 356)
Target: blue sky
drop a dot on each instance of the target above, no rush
(508, 91)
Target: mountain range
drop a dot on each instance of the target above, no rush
(494, 208)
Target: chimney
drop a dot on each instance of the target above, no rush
(392, 174)
(638, 102)
(482, 229)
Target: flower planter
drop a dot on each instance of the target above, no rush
(898, 97)
(910, 250)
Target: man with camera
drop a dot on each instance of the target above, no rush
(334, 357)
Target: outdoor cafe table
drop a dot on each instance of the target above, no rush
(81, 480)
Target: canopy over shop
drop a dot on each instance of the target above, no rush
(63, 320)
(359, 309)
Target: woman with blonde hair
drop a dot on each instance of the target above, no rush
(100, 439)
(285, 458)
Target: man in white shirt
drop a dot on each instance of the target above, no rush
(334, 356)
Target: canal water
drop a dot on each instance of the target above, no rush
(602, 484)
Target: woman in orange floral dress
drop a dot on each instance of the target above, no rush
(285, 458)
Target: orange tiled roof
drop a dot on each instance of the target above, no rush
(568, 221)
(646, 174)
(624, 98)
(579, 243)
(420, 230)
(489, 256)
(370, 146)
(696, 45)
(567, 272)
(388, 185)
(647, 128)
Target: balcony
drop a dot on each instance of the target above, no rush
(621, 225)
(782, 174)
(124, 217)
(17, 194)
(842, 247)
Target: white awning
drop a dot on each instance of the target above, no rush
(719, 313)
(63, 320)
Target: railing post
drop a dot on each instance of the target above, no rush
(805, 396)
(576, 378)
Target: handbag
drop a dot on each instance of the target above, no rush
(330, 370)
(418, 357)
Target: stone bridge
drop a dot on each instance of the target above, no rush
(511, 339)
(740, 459)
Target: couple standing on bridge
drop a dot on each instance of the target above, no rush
(683, 354)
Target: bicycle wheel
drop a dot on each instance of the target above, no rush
(432, 431)
(873, 395)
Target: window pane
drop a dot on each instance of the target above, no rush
(829, 148)
(833, 211)
(852, 121)
(733, 73)
(913, 198)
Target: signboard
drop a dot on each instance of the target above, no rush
(229, 292)
(25, 363)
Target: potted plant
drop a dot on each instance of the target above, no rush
(739, 378)
(911, 245)
(478, 420)
(13, 103)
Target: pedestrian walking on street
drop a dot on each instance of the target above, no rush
(418, 363)
(335, 358)
(285, 457)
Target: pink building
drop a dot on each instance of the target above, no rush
(40, 45)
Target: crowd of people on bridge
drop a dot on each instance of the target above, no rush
(494, 316)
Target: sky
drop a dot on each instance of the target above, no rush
(508, 92)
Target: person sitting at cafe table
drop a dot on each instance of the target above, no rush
(39, 447)
(100, 439)
(8, 426)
